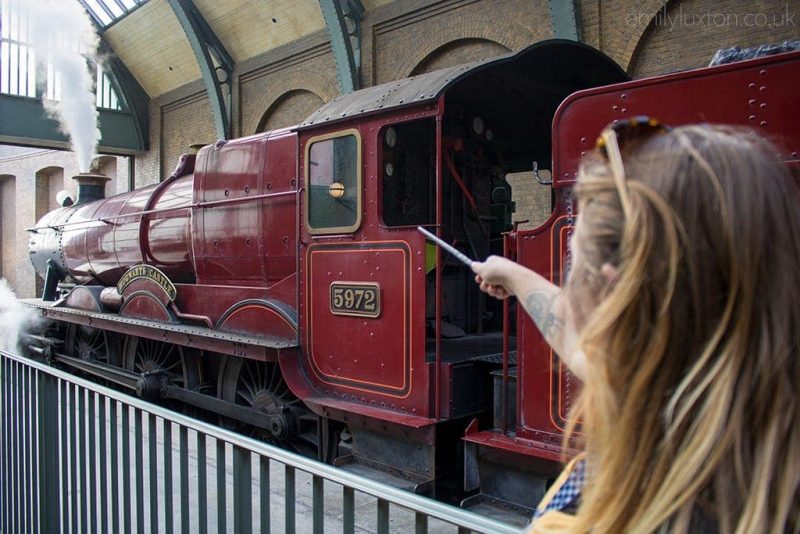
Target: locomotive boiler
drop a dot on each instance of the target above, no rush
(279, 281)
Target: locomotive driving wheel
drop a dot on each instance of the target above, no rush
(90, 344)
(180, 365)
(288, 422)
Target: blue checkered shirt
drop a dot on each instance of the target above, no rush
(569, 494)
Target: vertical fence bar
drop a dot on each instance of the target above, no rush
(318, 502)
(184, 475)
(420, 523)
(25, 495)
(383, 516)
(91, 461)
(35, 416)
(221, 486)
(73, 457)
(139, 471)
(103, 458)
(242, 491)
(63, 400)
(48, 454)
(289, 475)
(17, 467)
(348, 510)
(202, 492)
(4, 433)
(167, 476)
(113, 435)
(152, 442)
(126, 469)
(84, 471)
(263, 484)
(27, 439)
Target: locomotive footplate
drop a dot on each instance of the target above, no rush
(257, 348)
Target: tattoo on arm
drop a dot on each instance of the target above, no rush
(540, 306)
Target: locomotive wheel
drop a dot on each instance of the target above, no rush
(91, 344)
(181, 365)
(291, 425)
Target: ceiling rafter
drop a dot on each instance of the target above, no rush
(216, 64)
(343, 21)
(565, 19)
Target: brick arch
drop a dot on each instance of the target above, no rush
(49, 181)
(509, 34)
(8, 229)
(294, 80)
(632, 26)
(305, 102)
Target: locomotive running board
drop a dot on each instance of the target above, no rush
(256, 348)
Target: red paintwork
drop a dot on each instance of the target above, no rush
(250, 243)
(376, 362)
(760, 93)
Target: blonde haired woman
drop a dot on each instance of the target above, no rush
(682, 317)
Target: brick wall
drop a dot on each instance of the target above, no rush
(686, 34)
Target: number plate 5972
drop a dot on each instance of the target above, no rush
(360, 299)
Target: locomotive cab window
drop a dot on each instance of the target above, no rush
(408, 173)
(333, 178)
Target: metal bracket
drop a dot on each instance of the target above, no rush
(343, 21)
(216, 64)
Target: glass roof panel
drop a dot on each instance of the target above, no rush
(107, 12)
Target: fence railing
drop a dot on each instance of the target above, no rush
(79, 457)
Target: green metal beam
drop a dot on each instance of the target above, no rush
(23, 121)
(207, 48)
(345, 39)
(565, 19)
(133, 97)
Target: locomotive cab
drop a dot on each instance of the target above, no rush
(390, 324)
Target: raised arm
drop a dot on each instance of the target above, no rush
(544, 302)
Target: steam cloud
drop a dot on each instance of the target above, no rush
(63, 36)
(14, 318)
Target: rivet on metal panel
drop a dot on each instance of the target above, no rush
(269, 186)
(215, 243)
(247, 242)
(227, 192)
(623, 96)
(246, 189)
(615, 107)
(751, 102)
(751, 117)
(624, 110)
(763, 105)
(583, 140)
(762, 88)
(751, 85)
(763, 72)
(763, 123)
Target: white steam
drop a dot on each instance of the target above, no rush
(65, 42)
(15, 319)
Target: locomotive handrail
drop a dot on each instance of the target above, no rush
(207, 204)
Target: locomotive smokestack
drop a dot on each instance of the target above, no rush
(91, 186)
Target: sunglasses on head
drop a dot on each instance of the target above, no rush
(613, 139)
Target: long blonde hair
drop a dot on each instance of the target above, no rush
(690, 410)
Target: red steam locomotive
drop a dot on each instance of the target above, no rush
(279, 280)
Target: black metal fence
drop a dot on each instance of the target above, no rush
(79, 457)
